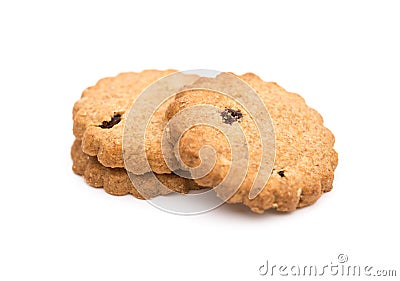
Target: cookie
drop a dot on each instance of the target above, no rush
(116, 181)
(100, 115)
(304, 162)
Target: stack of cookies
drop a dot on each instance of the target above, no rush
(304, 158)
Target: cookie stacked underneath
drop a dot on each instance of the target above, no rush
(304, 158)
(99, 118)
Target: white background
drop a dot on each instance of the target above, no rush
(341, 56)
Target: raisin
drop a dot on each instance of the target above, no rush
(109, 124)
(281, 173)
(230, 115)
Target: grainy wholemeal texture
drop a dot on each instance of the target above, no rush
(100, 115)
(304, 156)
(116, 181)
(305, 159)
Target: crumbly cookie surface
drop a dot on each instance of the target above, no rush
(304, 156)
(116, 181)
(100, 115)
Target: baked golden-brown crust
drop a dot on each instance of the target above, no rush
(304, 156)
(116, 181)
(100, 115)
